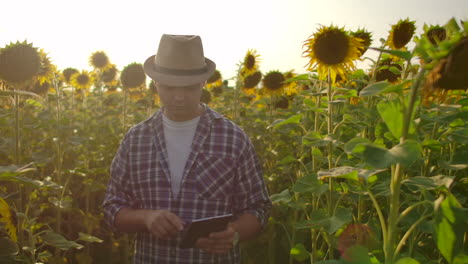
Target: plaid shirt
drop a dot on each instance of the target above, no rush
(222, 175)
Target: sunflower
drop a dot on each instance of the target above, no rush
(132, 76)
(366, 40)
(331, 49)
(8, 219)
(290, 88)
(389, 69)
(99, 60)
(273, 82)
(436, 34)
(401, 33)
(449, 74)
(251, 62)
(251, 81)
(41, 88)
(82, 80)
(67, 73)
(215, 80)
(19, 62)
(47, 70)
(109, 73)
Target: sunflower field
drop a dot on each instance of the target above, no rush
(363, 165)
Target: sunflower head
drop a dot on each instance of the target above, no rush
(132, 76)
(436, 34)
(388, 69)
(250, 82)
(448, 74)
(41, 88)
(82, 80)
(331, 49)
(99, 60)
(109, 73)
(251, 61)
(215, 80)
(273, 82)
(47, 69)
(19, 62)
(8, 219)
(67, 73)
(401, 33)
(366, 40)
(290, 88)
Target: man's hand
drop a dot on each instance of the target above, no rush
(163, 224)
(217, 242)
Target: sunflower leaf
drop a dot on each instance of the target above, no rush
(375, 88)
(406, 55)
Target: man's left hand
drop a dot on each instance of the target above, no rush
(217, 242)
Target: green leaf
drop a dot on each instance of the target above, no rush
(350, 145)
(283, 197)
(406, 55)
(295, 119)
(89, 238)
(459, 135)
(331, 224)
(8, 247)
(347, 172)
(407, 152)
(356, 254)
(309, 184)
(374, 89)
(301, 77)
(429, 183)
(392, 114)
(60, 242)
(407, 260)
(451, 223)
(374, 155)
(287, 160)
(299, 252)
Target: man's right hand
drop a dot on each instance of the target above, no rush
(163, 224)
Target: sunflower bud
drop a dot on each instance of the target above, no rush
(436, 34)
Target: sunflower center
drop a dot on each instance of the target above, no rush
(82, 79)
(331, 47)
(273, 81)
(249, 61)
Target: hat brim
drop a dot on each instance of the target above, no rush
(178, 80)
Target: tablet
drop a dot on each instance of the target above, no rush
(203, 227)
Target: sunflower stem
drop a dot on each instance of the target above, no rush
(330, 153)
(397, 175)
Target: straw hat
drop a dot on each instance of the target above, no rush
(179, 61)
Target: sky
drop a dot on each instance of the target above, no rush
(129, 31)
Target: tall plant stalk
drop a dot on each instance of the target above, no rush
(396, 178)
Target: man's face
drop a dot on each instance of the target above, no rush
(181, 103)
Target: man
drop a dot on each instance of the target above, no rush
(186, 162)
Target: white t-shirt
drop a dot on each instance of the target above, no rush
(179, 137)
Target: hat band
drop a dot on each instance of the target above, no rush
(182, 72)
